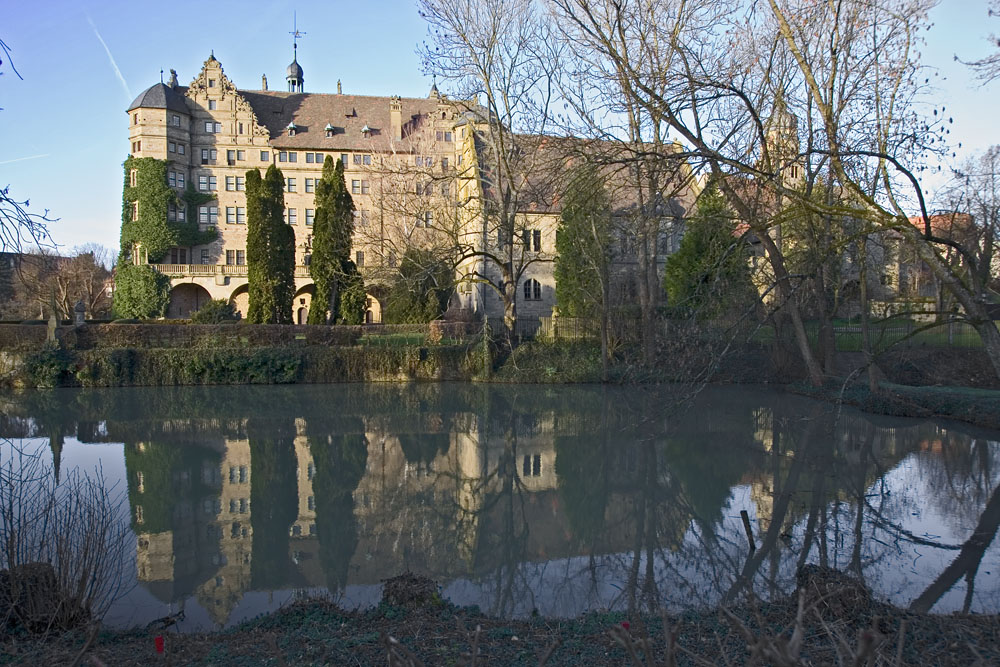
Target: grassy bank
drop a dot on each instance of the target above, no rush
(839, 622)
(975, 406)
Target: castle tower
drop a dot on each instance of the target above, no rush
(782, 137)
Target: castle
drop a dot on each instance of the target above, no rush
(413, 166)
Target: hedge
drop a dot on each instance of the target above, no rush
(263, 365)
(148, 335)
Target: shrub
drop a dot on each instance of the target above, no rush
(214, 312)
(140, 292)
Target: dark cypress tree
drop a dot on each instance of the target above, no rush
(270, 250)
(333, 226)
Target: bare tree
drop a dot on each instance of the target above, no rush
(497, 55)
(988, 68)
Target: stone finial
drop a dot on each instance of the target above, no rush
(340, 90)
(263, 82)
(172, 82)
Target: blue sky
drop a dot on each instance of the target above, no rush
(64, 131)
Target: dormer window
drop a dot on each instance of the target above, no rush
(292, 127)
(211, 83)
(329, 130)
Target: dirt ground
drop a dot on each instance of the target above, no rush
(836, 618)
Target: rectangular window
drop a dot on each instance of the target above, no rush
(241, 183)
(208, 215)
(359, 258)
(133, 177)
(218, 128)
(230, 183)
(231, 157)
(292, 216)
(293, 157)
(171, 212)
(241, 155)
(319, 158)
(180, 149)
(211, 105)
(282, 156)
(440, 135)
(175, 120)
(204, 256)
(290, 184)
(367, 159)
(444, 163)
(171, 179)
(230, 260)
(209, 126)
(181, 213)
(428, 162)
(418, 161)
(180, 179)
(135, 211)
(172, 147)
(231, 215)
(241, 131)
(241, 257)
(445, 189)
(241, 215)
(536, 236)
(309, 185)
(265, 156)
(364, 187)
(447, 136)
(309, 158)
(357, 159)
(343, 159)
(212, 183)
(355, 187)
(203, 182)
(310, 216)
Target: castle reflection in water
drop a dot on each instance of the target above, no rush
(561, 499)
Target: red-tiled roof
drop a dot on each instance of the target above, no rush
(348, 114)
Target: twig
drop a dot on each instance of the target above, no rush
(91, 636)
(549, 651)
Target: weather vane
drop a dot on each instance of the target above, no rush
(295, 33)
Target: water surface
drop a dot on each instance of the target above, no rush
(521, 498)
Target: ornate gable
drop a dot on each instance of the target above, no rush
(211, 71)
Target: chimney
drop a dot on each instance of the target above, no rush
(263, 82)
(396, 117)
(340, 91)
(172, 82)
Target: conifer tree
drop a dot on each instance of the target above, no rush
(583, 244)
(709, 274)
(333, 226)
(270, 250)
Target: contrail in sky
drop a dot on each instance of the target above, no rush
(22, 159)
(118, 72)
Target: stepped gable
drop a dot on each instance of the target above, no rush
(161, 96)
(348, 114)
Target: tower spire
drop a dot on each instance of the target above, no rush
(294, 76)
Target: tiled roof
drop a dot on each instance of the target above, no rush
(161, 96)
(348, 114)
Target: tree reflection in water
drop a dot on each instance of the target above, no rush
(515, 498)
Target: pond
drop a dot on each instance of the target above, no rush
(560, 499)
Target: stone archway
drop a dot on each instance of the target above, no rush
(373, 310)
(302, 302)
(185, 299)
(241, 300)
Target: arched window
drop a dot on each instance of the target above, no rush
(532, 290)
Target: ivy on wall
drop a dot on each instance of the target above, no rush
(151, 229)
